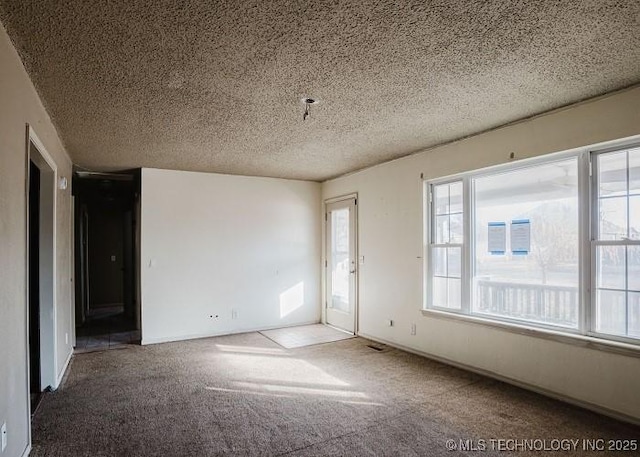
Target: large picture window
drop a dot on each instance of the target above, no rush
(511, 244)
(538, 284)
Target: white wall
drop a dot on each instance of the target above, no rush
(213, 244)
(391, 240)
(20, 105)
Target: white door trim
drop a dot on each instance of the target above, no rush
(48, 346)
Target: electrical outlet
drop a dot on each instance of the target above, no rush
(413, 329)
(3, 432)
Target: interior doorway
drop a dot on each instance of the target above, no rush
(341, 264)
(41, 309)
(106, 247)
(34, 285)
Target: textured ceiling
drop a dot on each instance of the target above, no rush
(216, 85)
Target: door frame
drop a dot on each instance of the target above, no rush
(48, 317)
(325, 250)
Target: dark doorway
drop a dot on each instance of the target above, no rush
(41, 305)
(106, 251)
(34, 285)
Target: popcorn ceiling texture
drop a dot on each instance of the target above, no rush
(216, 85)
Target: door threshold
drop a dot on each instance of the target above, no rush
(340, 329)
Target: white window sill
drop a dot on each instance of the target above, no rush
(585, 341)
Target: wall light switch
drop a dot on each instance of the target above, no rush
(413, 329)
(66, 338)
(234, 314)
(113, 258)
(3, 432)
(361, 260)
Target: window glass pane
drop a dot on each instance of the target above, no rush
(612, 174)
(455, 196)
(540, 285)
(454, 262)
(634, 217)
(456, 229)
(442, 229)
(634, 314)
(611, 312)
(446, 281)
(613, 218)
(439, 261)
(611, 267)
(448, 213)
(440, 292)
(447, 293)
(634, 171)
(633, 265)
(441, 198)
(340, 259)
(455, 293)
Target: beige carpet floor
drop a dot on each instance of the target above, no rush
(246, 395)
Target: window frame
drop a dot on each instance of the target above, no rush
(588, 220)
(431, 244)
(519, 166)
(594, 242)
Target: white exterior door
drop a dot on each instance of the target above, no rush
(341, 264)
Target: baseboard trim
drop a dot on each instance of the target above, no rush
(27, 451)
(171, 339)
(490, 374)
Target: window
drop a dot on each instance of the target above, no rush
(539, 282)
(616, 246)
(511, 244)
(447, 235)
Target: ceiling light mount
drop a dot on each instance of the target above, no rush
(308, 101)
